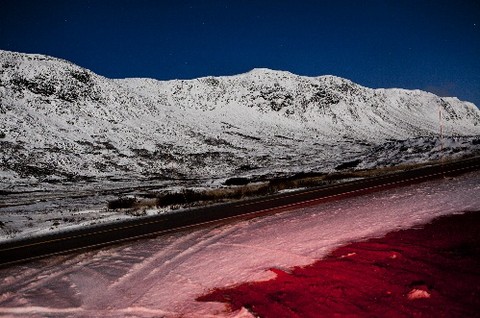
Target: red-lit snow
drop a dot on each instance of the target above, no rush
(163, 276)
(435, 273)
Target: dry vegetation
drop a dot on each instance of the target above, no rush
(242, 188)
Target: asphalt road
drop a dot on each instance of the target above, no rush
(22, 250)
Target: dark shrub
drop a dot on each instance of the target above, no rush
(122, 203)
(348, 165)
(237, 181)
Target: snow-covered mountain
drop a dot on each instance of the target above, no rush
(61, 122)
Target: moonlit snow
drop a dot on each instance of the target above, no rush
(63, 124)
(162, 276)
(72, 140)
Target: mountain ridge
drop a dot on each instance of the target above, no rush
(63, 122)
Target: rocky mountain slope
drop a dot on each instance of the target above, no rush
(60, 122)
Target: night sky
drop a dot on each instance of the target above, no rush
(429, 45)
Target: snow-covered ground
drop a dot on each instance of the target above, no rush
(161, 277)
(28, 212)
(71, 140)
(61, 123)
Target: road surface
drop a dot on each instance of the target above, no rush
(101, 235)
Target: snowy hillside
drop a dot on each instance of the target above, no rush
(61, 123)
